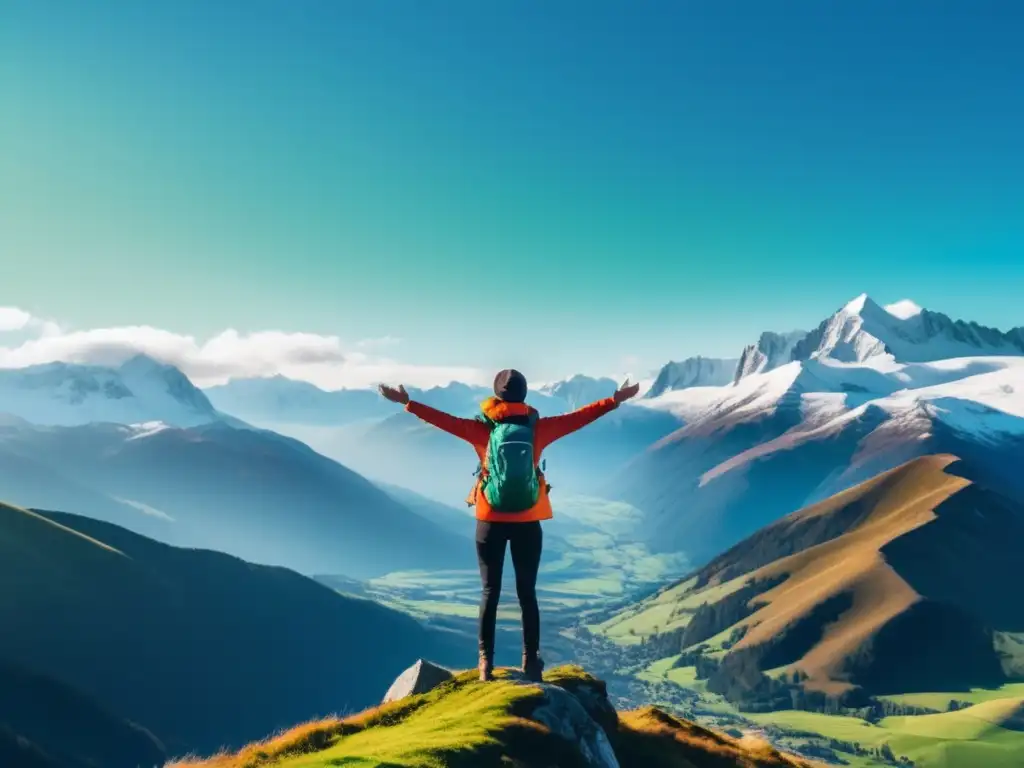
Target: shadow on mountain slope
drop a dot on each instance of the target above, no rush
(202, 648)
(46, 723)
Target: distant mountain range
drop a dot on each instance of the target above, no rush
(713, 451)
(775, 433)
(140, 446)
(277, 400)
(898, 584)
(579, 390)
(383, 442)
(402, 450)
(797, 432)
(202, 649)
(251, 493)
(776, 441)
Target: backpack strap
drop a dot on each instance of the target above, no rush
(479, 471)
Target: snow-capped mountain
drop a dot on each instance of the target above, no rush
(140, 390)
(770, 351)
(862, 329)
(776, 441)
(693, 372)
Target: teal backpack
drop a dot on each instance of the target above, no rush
(510, 480)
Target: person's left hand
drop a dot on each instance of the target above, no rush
(395, 395)
(626, 391)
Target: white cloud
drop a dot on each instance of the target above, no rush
(13, 319)
(323, 360)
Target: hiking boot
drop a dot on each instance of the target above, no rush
(533, 668)
(486, 667)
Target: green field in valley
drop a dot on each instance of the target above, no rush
(668, 610)
(976, 736)
(989, 735)
(586, 564)
(940, 701)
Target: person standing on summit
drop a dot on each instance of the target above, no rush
(511, 494)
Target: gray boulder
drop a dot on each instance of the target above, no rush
(421, 677)
(565, 716)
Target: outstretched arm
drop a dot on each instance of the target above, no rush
(468, 429)
(551, 428)
(554, 427)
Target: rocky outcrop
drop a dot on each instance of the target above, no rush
(575, 709)
(566, 716)
(421, 677)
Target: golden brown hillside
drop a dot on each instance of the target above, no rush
(895, 503)
(898, 584)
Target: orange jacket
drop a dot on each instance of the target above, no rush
(477, 434)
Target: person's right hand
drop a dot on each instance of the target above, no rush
(626, 391)
(398, 395)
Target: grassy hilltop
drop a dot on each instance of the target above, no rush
(467, 724)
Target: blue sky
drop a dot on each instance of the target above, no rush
(556, 186)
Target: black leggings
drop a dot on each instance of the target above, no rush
(526, 542)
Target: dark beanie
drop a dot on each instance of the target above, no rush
(510, 386)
